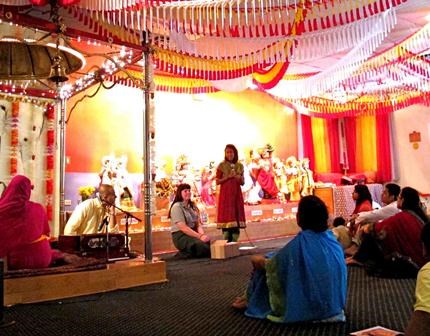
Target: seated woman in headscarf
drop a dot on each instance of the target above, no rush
(24, 228)
(399, 234)
(305, 280)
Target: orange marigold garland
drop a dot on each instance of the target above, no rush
(50, 148)
(14, 139)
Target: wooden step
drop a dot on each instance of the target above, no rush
(121, 274)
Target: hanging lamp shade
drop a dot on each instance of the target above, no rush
(27, 61)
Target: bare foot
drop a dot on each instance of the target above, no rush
(240, 303)
(353, 262)
(71, 258)
(350, 251)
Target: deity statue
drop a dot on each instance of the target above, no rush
(293, 178)
(114, 173)
(307, 177)
(208, 184)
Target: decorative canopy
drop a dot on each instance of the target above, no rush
(326, 57)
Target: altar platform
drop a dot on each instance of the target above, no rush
(54, 286)
(267, 220)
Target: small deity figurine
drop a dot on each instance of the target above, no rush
(293, 179)
(250, 189)
(308, 183)
(114, 173)
(208, 184)
(107, 172)
(266, 176)
(185, 174)
(163, 185)
(281, 179)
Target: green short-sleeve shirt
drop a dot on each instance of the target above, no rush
(184, 214)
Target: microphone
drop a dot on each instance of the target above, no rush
(103, 223)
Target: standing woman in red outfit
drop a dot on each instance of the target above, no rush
(231, 211)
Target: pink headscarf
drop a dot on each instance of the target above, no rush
(21, 221)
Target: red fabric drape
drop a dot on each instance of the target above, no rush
(333, 138)
(60, 2)
(383, 148)
(308, 146)
(351, 142)
(39, 2)
(270, 77)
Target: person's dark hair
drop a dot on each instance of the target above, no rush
(234, 149)
(425, 237)
(312, 214)
(411, 201)
(339, 221)
(179, 198)
(393, 190)
(363, 194)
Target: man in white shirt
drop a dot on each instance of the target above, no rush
(89, 216)
(389, 198)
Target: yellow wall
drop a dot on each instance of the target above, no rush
(196, 125)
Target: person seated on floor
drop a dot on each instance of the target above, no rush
(187, 232)
(399, 234)
(362, 197)
(419, 324)
(89, 216)
(389, 198)
(24, 238)
(341, 232)
(363, 202)
(306, 280)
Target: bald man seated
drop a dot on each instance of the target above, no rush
(88, 216)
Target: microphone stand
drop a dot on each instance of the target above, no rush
(105, 222)
(128, 215)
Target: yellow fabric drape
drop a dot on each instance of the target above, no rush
(321, 145)
(366, 144)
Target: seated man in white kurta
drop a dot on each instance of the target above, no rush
(389, 198)
(89, 215)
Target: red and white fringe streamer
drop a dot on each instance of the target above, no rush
(331, 77)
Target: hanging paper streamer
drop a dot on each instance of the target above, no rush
(255, 32)
(37, 2)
